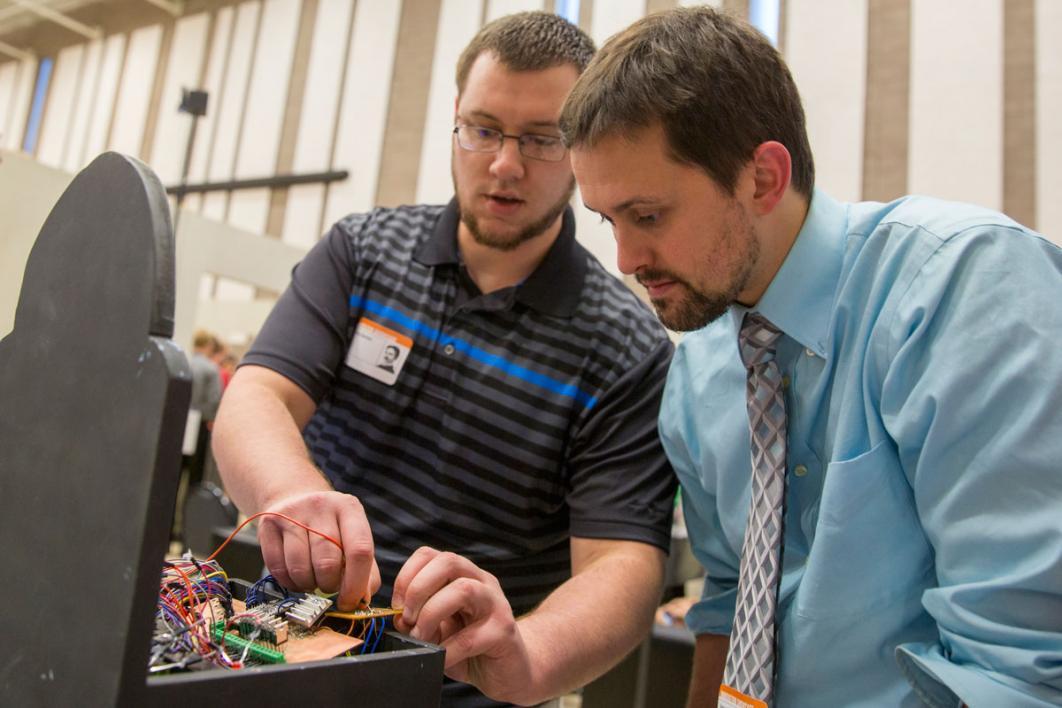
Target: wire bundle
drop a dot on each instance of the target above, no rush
(194, 599)
(193, 596)
(373, 634)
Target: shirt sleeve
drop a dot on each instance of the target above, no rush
(621, 485)
(306, 335)
(972, 397)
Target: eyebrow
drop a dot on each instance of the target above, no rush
(627, 204)
(483, 115)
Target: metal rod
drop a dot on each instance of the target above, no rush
(259, 182)
(183, 187)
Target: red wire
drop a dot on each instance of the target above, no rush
(273, 513)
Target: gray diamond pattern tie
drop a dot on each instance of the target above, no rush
(750, 661)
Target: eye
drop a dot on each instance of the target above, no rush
(646, 219)
(540, 141)
(483, 132)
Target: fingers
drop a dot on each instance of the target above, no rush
(358, 556)
(303, 561)
(271, 538)
(459, 603)
(410, 569)
(374, 581)
(472, 641)
(443, 594)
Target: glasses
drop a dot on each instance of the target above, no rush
(538, 147)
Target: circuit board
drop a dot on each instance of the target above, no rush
(201, 622)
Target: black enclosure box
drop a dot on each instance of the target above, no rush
(93, 401)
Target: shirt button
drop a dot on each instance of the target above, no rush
(800, 470)
(448, 349)
(809, 352)
(785, 382)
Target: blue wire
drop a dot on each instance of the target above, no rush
(255, 592)
(368, 637)
(379, 634)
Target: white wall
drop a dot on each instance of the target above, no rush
(62, 95)
(14, 111)
(185, 64)
(593, 234)
(206, 130)
(458, 23)
(259, 138)
(231, 95)
(134, 95)
(956, 113)
(1048, 118)
(317, 122)
(831, 77)
(110, 70)
(363, 112)
(500, 8)
(81, 116)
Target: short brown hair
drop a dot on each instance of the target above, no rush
(528, 41)
(716, 85)
(205, 340)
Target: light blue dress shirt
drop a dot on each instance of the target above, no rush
(922, 354)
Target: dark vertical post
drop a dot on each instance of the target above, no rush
(194, 103)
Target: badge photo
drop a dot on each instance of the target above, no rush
(378, 352)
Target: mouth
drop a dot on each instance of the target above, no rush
(504, 198)
(657, 288)
(502, 203)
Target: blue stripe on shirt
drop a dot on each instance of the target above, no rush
(493, 360)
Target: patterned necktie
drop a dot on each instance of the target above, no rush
(750, 661)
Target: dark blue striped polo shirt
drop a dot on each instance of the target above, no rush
(496, 426)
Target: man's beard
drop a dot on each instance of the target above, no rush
(510, 243)
(698, 308)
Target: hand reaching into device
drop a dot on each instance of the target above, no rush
(301, 560)
(448, 600)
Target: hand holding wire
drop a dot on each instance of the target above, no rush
(446, 599)
(303, 561)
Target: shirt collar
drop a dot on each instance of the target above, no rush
(441, 247)
(799, 300)
(554, 288)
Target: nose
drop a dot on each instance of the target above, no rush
(508, 163)
(631, 254)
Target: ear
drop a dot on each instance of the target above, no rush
(772, 172)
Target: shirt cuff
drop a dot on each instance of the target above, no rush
(940, 683)
(713, 615)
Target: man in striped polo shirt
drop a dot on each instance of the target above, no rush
(479, 399)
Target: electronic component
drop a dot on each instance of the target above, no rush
(250, 648)
(262, 624)
(308, 610)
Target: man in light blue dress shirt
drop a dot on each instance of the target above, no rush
(920, 350)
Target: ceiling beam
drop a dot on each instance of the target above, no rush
(174, 7)
(10, 11)
(61, 19)
(15, 52)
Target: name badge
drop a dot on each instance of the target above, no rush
(378, 352)
(729, 698)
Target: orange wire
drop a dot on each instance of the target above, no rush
(273, 513)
